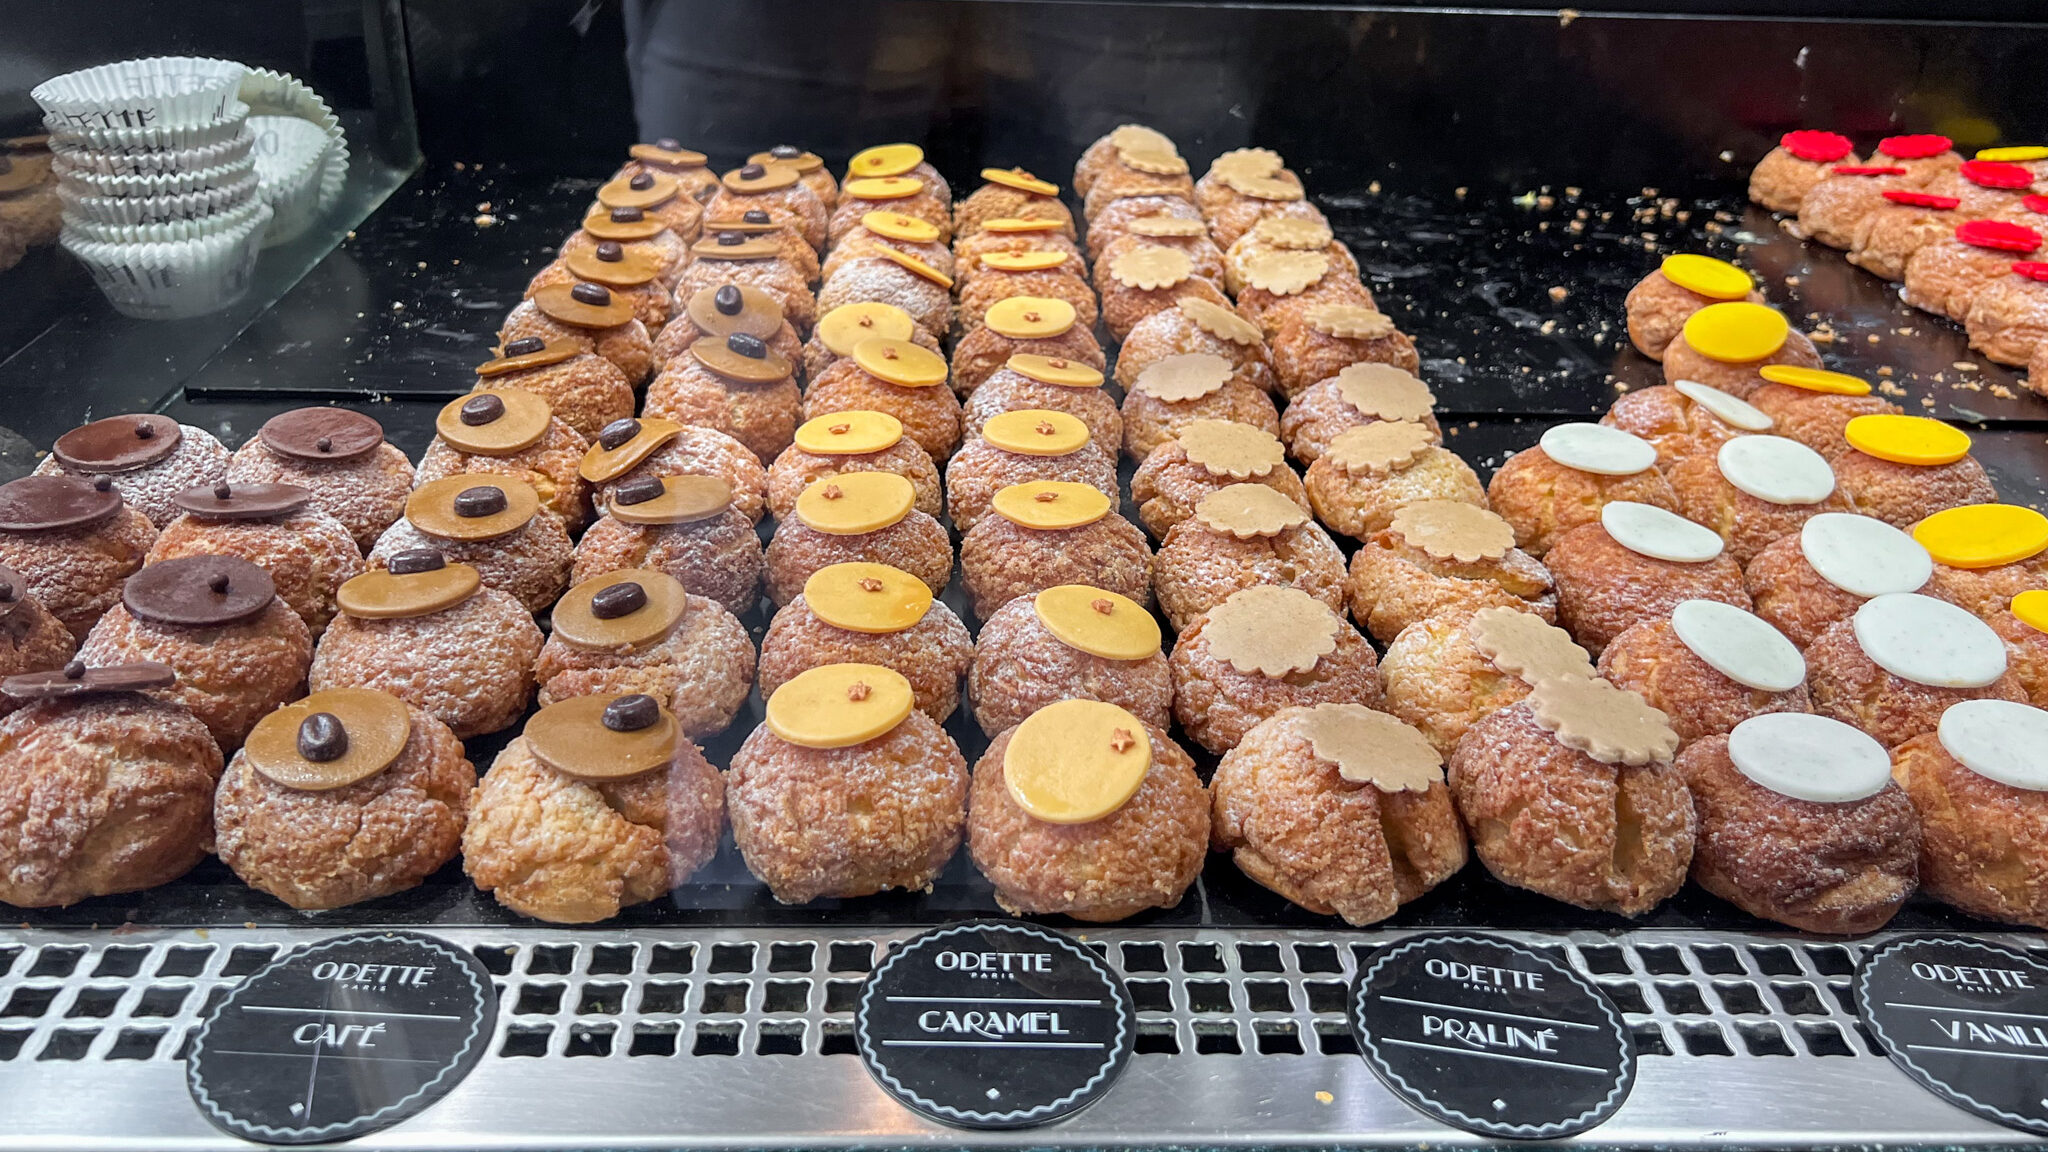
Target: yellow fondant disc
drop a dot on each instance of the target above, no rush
(884, 188)
(1036, 432)
(1055, 370)
(1907, 439)
(885, 160)
(839, 705)
(1050, 504)
(1098, 622)
(897, 226)
(1815, 379)
(1023, 261)
(855, 503)
(1019, 179)
(1737, 332)
(1982, 535)
(850, 433)
(872, 598)
(900, 362)
(1008, 224)
(1076, 761)
(2031, 607)
(2017, 154)
(843, 328)
(1030, 317)
(1707, 276)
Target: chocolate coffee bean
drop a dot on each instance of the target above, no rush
(621, 599)
(731, 239)
(728, 300)
(322, 738)
(756, 216)
(481, 409)
(753, 172)
(610, 251)
(641, 181)
(748, 346)
(595, 295)
(639, 490)
(785, 151)
(627, 215)
(482, 500)
(632, 713)
(617, 432)
(528, 345)
(414, 560)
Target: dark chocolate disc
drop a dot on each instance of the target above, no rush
(481, 409)
(75, 679)
(199, 591)
(617, 432)
(118, 443)
(414, 560)
(243, 501)
(321, 434)
(528, 345)
(322, 738)
(632, 713)
(616, 600)
(45, 503)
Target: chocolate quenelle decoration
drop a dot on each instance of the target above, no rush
(321, 434)
(48, 503)
(198, 591)
(118, 443)
(75, 679)
(224, 501)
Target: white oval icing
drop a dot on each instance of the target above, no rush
(1730, 410)
(1598, 449)
(1651, 531)
(1862, 555)
(1739, 645)
(1928, 641)
(1777, 470)
(2000, 740)
(1809, 757)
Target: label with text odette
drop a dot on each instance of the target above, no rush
(1967, 1020)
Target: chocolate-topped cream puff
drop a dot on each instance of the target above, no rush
(640, 234)
(107, 788)
(1263, 649)
(511, 432)
(690, 168)
(584, 390)
(1127, 832)
(1635, 563)
(846, 789)
(1366, 473)
(74, 542)
(898, 377)
(1563, 482)
(1176, 391)
(1571, 793)
(685, 526)
(31, 638)
(601, 803)
(723, 310)
(662, 183)
(862, 613)
(1661, 302)
(637, 630)
(756, 225)
(629, 449)
(238, 650)
(1051, 532)
(1203, 456)
(274, 526)
(1443, 557)
(777, 189)
(752, 260)
(491, 522)
(1018, 447)
(149, 458)
(591, 318)
(1340, 809)
(432, 634)
(738, 386)
(860, 516)
(345, 796)
(631, 275)
(355, 475)
(1239, 537)
(1069, 642)
(810, 170)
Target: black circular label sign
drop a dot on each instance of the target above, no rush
(1969, 1021)
(994, 1025)
(340, 1038)
(1491, 1037)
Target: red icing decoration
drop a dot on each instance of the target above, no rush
(1867, 170)
(2035, 204)
(1819, 147)
(1999, 236)
(1995, 174)
(1914, 147)
(2031, 269)
(1921, 199)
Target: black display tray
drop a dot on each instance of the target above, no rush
(1518, 315)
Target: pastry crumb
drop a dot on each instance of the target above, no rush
(1558, 292)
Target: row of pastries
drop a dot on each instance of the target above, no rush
(862, 363)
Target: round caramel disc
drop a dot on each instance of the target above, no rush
(900, 362)
(225, 501)
(752, 311)
(839, 705)
(843, 328)
(118, 443)
(198, 591)
(733, 244)
(725, 358)
(761, 177)
(856, 502)
(653, 188)
(852, 433)
(509, 361)
(669, 153)
(603, 308)
(321, 434)
(1036, 432)
(1050, 504)
(382, 595)
(885, 160)
(791, 155)
(643, 438)
(1030, 317)
(572, 738)
(495, 423)
(363, 733)
(872, 598)
(619, 224)
(602, 613)
(683, 500)
(463, 507)
(1076, 761)
(634, 266)
(1098, 622)
(46, 503)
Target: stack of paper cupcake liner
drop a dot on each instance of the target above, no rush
(174, 172)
